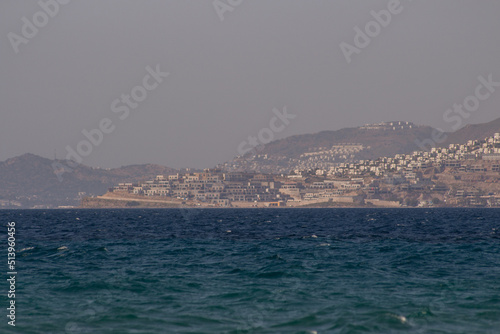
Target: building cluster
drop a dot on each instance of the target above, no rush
(217, 188)
(469, 157)
(386, 181)
(212, 186)
(389, 126)
(10, 203)
(320, 157)
(323, 157)
(262, 163)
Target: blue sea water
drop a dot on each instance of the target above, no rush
(255, 271)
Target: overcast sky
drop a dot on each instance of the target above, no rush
(226, 76)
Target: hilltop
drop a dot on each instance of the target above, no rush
(29, 180)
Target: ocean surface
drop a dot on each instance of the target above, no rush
(255, 271)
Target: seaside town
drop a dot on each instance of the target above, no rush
(457, 176)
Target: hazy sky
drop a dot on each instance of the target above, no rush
(227, 76)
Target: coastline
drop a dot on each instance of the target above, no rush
(112, 201)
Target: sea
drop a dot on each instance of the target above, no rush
(280, 270)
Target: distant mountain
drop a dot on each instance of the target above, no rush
(30, 180)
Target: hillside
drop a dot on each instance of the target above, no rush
(30, 180)
(472, 131)
(328, 148)
(381, 142)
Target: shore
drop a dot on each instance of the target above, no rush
(124, 200)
